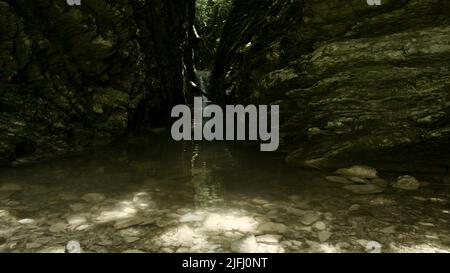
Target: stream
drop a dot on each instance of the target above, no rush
(151, 194)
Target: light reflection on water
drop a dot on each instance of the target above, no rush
(200, 196)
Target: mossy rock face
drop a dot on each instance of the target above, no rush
(76, 76)
(357, 84)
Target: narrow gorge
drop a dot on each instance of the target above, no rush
(87, 156)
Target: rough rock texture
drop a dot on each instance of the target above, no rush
(77, 76)
(356, 83)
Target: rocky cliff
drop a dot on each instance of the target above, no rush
(356, 83)
(77, 76)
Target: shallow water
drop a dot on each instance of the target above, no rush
(154, 195)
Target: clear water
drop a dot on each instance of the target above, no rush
(151, 194)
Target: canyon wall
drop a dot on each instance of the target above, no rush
(72, 77)
(356, 83)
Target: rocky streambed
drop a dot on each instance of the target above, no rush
(161, 196)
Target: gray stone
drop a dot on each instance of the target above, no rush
(135, 251)
(407, 182)
(358, 171)
(58, 227)
(192, 217)
(324, 236)
(338, 179)
(271, 227)
(76, 220)
(126, 223)
(319, 225)
(27, 221)
(259, 201)
(130, 240)
(359, 180)
(268, 238)
(295, 211)
(310, 217)
(32, 245)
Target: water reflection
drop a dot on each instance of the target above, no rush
(207, 186)
(152, 194)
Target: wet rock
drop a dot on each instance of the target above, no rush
(58, 227)
(148, 222)
(130, 240)
(231, 234)
(358, 171)
(82, 227)
(319, 225)
(388, 230)
(11, 187)
(328, 216)
(259, 201)
(272, 212)
(217, 222)
(27, 221)
(270, 248)
(271, 227)
(245, 245)
(310, 217)
(130, 232)
(12, 203)
(77, 207)
(105, 242)
(73, 247)
(359, 180)
(192, 217)
(292, 244)
(426, 224)
(268, 238)
(134, 251)
(180, 236)
(324, 236)
(342, 245)
(126, 223)
(44, 240)
(18, 237)
(52, 249)
(406, 182)
(32, 245)
(338, 179)
(364, 189)
(76, 220)
(314, 246)
(354, 207)
(93, 197)
(163, 222)
(249, 244)
(295, 211)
